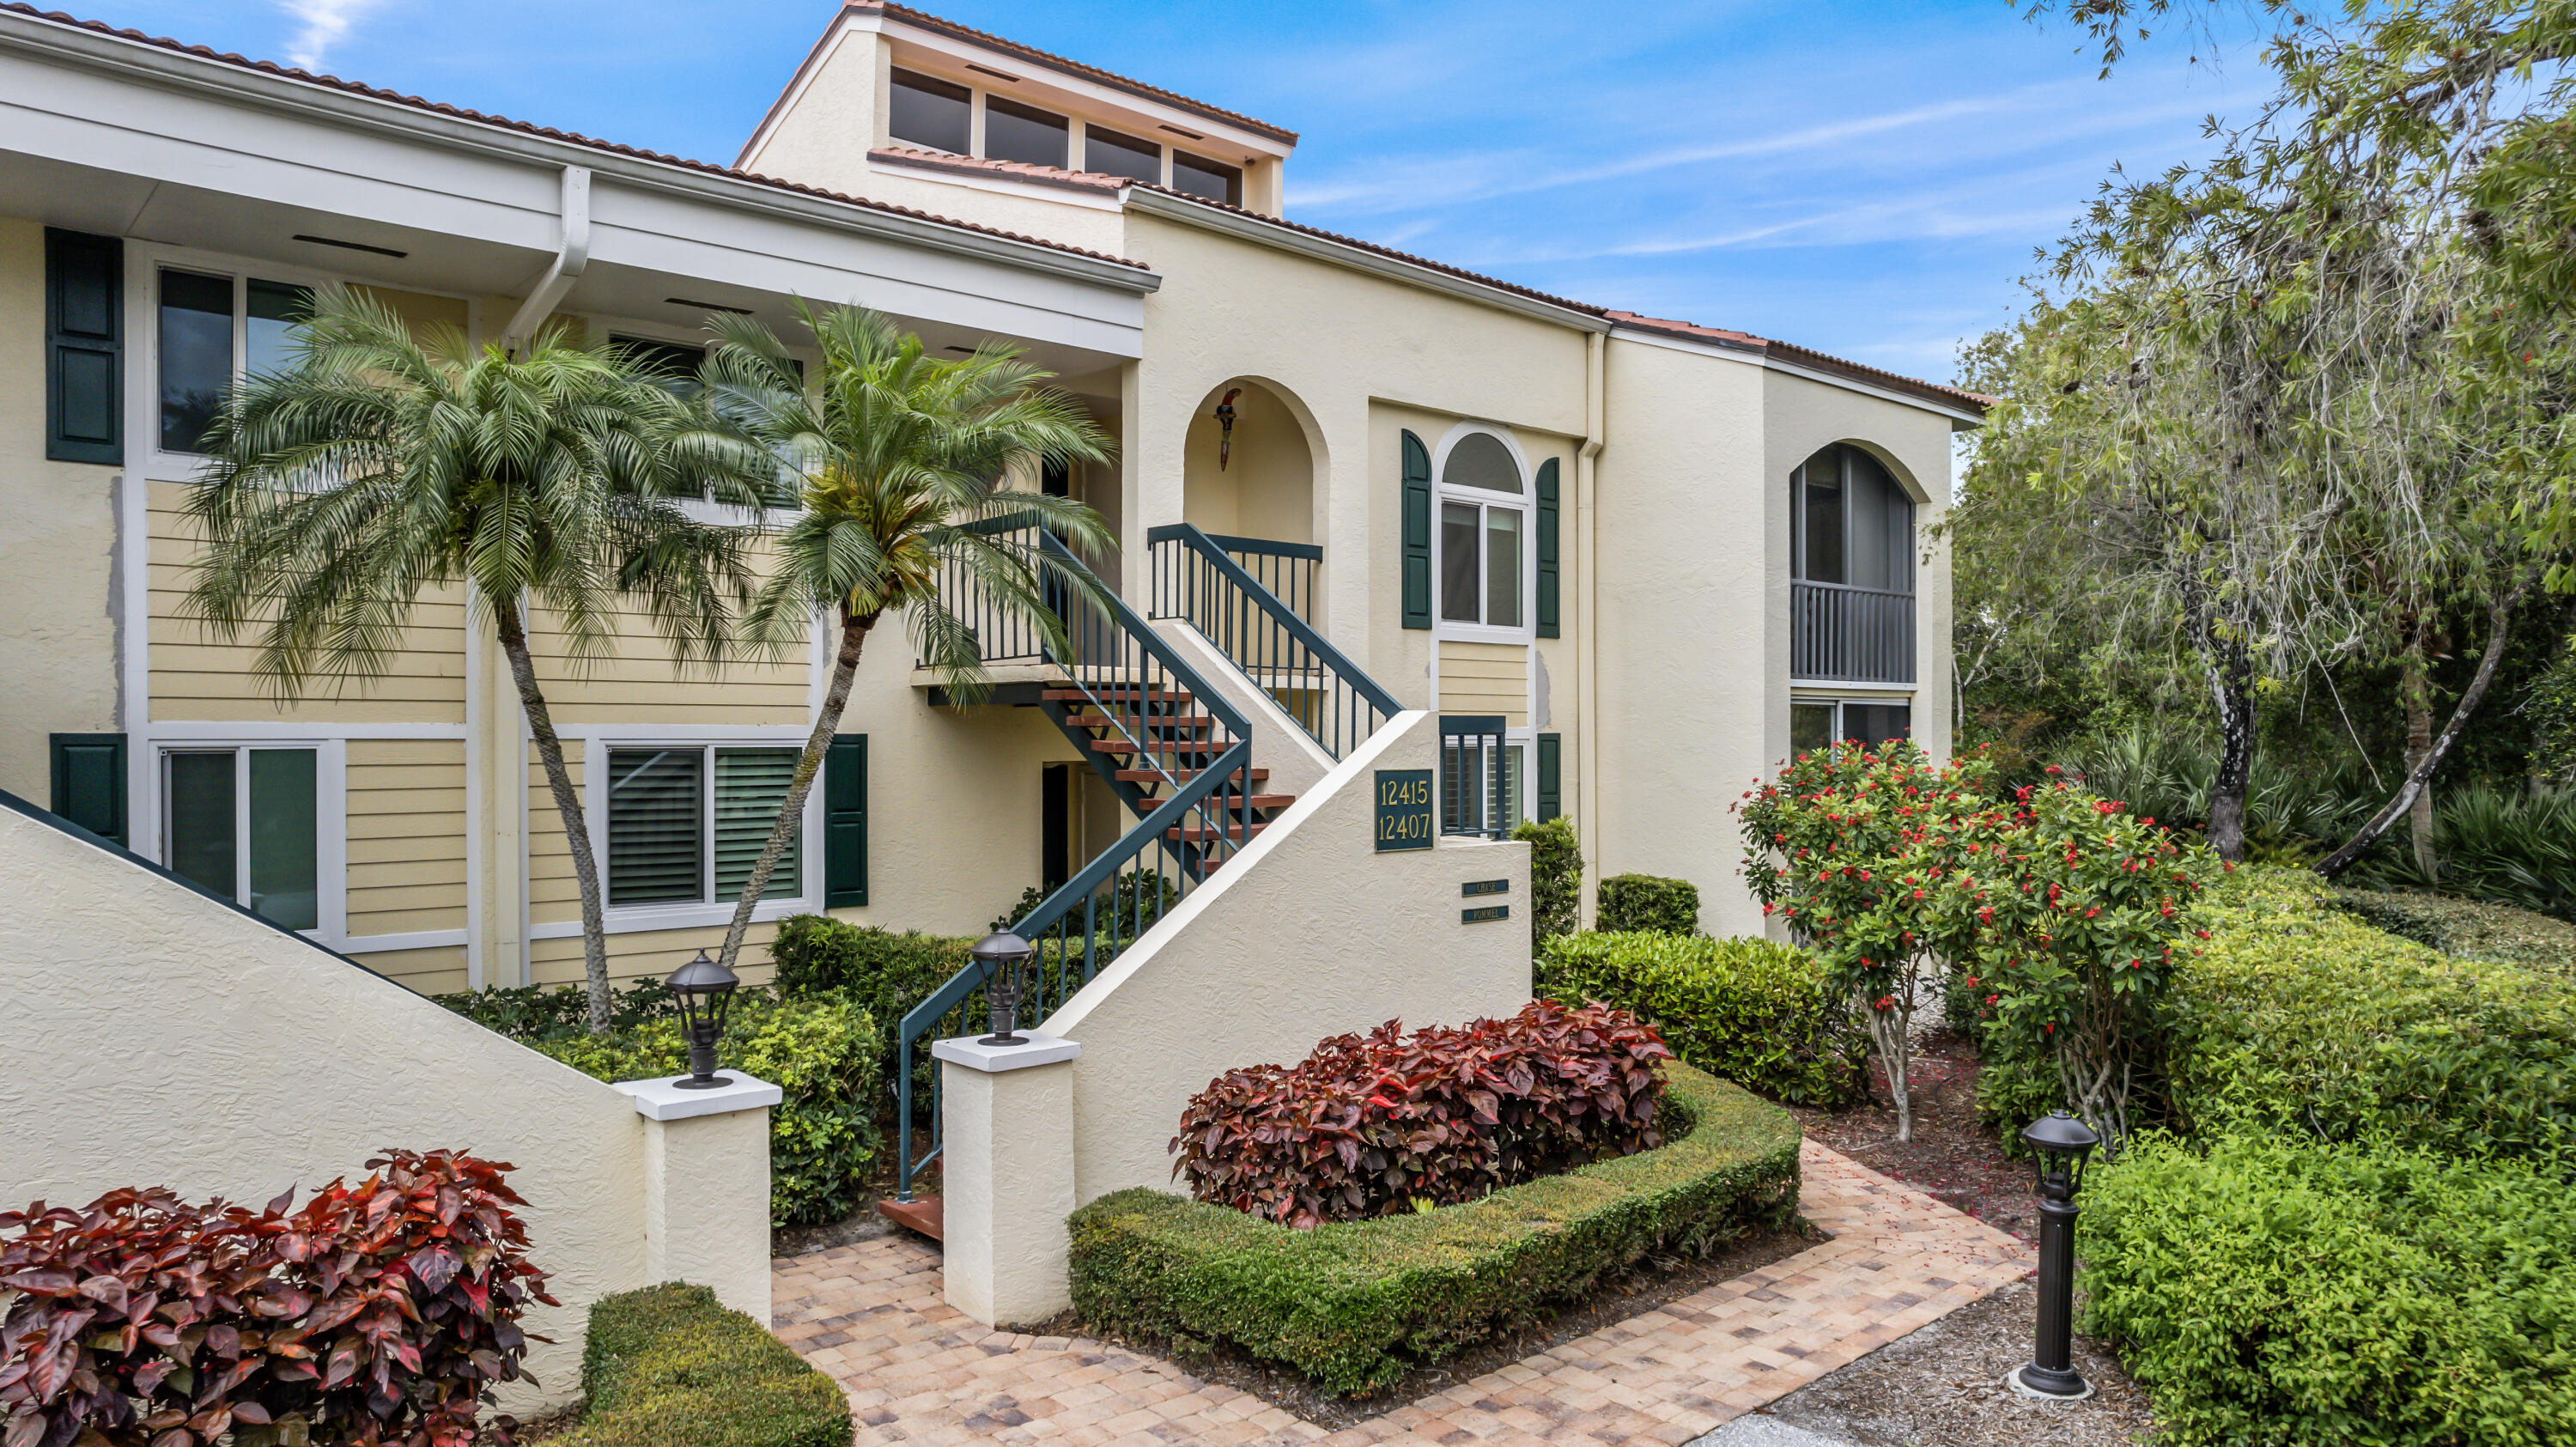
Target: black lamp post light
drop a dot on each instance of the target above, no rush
(1003, 958)
(706, 991)
(2063, 1144)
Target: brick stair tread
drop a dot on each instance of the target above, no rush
(1195, 833)
(1114, 690)
(1160, 747)
(1157, 776)
(923, 1215)
(1196, 723)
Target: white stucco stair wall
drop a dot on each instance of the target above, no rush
(1307, 934)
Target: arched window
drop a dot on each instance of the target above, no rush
(1853, 522)
(1483, 533)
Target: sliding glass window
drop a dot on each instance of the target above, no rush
(244, 823)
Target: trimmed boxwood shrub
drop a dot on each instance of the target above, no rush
(1633, 903)
(1556, 877)
(2469, 928)
(1357, 1304)
(2297, 1016)
(822, 1051)
(668, 1367)
(2274, 1292)
(1747, 1010)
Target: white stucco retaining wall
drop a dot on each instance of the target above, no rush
(156, 1037)
(1308, 934)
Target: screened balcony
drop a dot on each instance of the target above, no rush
(1851, 589)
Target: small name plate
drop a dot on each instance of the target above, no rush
(1475, 887)
(1486, 915)
(1404, 809)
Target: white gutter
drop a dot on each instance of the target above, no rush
(237, 85)
(560, 274)
(1587, 674)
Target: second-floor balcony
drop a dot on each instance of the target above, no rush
(1851, 589)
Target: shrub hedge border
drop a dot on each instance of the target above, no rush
(1355, 1305)
(667, 1366)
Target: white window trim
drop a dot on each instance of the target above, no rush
(1526, 505)
(597, 740)
(330, 808)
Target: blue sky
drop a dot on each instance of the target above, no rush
(1865, 179)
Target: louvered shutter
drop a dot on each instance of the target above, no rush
(1417, 533)
(1547, 549)
(84, 347)
(656, 833)
(1551, 771)
(751, 784)
(89, 783)
(845, 822)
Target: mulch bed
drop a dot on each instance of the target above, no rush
(1640, 1289)
(1952, 1157)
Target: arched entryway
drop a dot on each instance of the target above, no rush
(1255, 479)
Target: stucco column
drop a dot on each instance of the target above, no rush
(706, 1186)
(1006, 1121)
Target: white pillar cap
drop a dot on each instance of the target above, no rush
(1036, 1049)
(664, 1100)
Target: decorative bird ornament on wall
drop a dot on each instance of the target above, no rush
(1225, 422)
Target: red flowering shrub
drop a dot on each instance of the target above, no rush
(1388, 1122)
(1820, 845)
(380, 1313)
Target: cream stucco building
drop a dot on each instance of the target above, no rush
(1658, 553)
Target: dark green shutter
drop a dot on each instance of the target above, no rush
(1551, 772)
(89, 783)
(84, 347)
(845, 822)
(1547, 548)
(1417, 533)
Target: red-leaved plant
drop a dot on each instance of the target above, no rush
(1388, 1122)
(380, 1313)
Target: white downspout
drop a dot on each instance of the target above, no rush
(563, 271)
(1587, 687)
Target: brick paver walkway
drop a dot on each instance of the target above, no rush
(919, 1372)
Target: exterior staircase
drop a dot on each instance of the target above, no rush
(1174, 745)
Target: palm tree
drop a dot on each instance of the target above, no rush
(377, 464)
(898, 456)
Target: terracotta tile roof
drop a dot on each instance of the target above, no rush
(950, 161)
(910, 16)
(1807, 357)
(17, 7)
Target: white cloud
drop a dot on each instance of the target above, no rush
(325, 23)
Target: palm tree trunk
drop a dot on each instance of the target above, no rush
(791, 810)
(2499, 627)
(585, 866)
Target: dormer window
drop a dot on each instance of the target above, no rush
(1110, 153)
(1200, 176)
(1032, 137)
(928, 111)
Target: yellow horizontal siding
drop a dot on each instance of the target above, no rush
(196, 677)
(640, 954)
(406, 811)
(438, 971)
(637, 681)
(1485, 678)
(554, 895)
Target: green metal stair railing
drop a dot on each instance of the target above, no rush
(1221, 587)
(1122, 692)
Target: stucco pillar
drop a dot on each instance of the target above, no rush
(706, 1186)
(1006, 1122)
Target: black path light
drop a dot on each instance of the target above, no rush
(706, 991)
(2063, 1144)
(1003, 957)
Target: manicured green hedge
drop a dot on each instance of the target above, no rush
(2269, 1292)
(2469, 928)
(1747, 1010)
(668, 1367)
(2296, 1016)
(1357, 1304)
(822, 1051)
(1556, 877)
(886, 972)
(1631, 903)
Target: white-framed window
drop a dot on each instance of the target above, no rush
(1815, 723)
(1482, 557)
(245, 822)
(685, 822)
